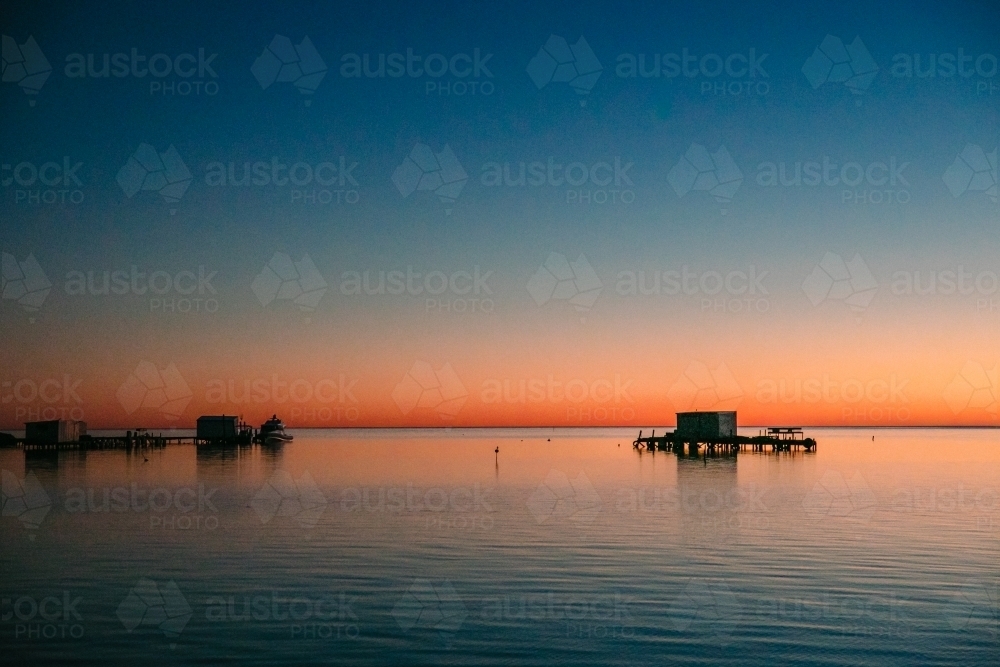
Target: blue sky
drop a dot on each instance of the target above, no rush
(899, 128)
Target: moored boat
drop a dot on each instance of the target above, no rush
(273, 431)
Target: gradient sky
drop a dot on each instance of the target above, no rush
(792, 353)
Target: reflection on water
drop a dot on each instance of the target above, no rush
(377, 547)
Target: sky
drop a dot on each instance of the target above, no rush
(319, 211)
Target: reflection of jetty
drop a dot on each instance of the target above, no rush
(715, 432)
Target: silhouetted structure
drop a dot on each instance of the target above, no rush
(54, 431)
(222, 429)
(716, 432)
(706, 424)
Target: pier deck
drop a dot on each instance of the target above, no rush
(785, 439)
(129, 441)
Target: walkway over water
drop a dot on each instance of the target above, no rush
(777, 439)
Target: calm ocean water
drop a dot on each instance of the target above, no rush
(426, 547)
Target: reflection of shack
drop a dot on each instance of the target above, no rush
(54, 431)
(222, 430)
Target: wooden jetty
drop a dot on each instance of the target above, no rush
(220, 430)
(672, 442)
(137, 440)
(715, 432)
